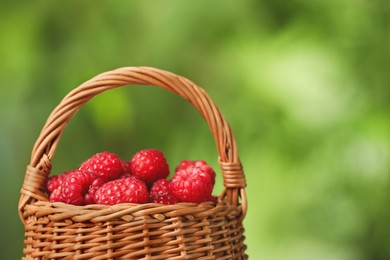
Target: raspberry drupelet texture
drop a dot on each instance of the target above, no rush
(161, 193)
(56, 180)
(205, 167)
(149, 165)
(56, 195)
(126, 165)
(192, 184)
(90, 196)
(124, 190)
(106, 165)
(75, 187)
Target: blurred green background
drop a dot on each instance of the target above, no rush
(304, 84)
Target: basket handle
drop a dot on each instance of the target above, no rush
(44, 148)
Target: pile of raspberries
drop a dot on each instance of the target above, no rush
(106, 179)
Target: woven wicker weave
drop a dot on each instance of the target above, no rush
(132, 231)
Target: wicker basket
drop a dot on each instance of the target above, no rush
(134, 231)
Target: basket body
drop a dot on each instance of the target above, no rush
(133, 231)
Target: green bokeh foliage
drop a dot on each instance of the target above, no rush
(304, 85)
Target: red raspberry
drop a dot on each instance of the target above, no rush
(106, 165)
(127, 190)
(56, 195)
(75, 187)
(184, 165)
(149, 165)
(192, 185)
(90, 196)
(198, 163)
(126, 175)
(126, 165)
(161, 193)
(55, 181)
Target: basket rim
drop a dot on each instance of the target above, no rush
(97, 213)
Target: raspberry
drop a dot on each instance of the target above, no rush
(56, 195)
(161, 193)
(184, 164)
(199, 164)
(126, 165)
(106, 165)
(126, 175)
(127, 190)
(75, 187)
(90, 196)
(192, 184)
(149, 165)
(55, 181)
